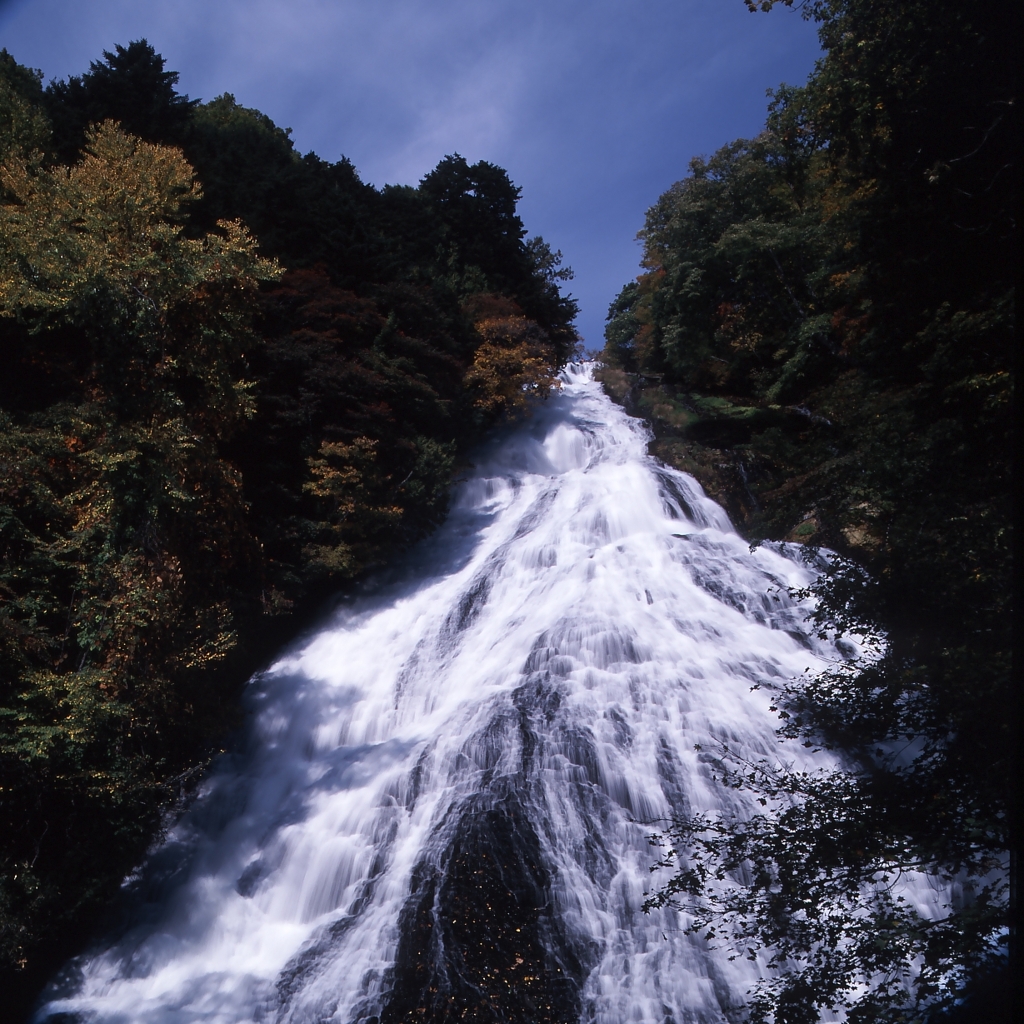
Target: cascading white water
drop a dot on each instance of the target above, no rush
(449, 788)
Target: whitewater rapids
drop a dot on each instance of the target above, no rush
(443, 802)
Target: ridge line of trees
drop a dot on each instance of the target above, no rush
(235, 378)
(829, 308)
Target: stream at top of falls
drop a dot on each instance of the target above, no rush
(442, 805)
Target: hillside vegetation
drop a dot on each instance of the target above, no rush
(823, 332)
(235, 377)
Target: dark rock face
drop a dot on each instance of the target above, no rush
(703, 446)
(480, 940)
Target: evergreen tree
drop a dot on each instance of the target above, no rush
(129, 86)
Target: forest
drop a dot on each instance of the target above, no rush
(235, 379)
(823, 333)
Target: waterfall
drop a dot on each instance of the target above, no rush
(441, 807)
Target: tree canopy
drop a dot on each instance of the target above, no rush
(236, 378)
(830, 307)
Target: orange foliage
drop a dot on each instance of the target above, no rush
(515, 363)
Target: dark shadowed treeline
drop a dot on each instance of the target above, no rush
(824, 331)
(233, 377)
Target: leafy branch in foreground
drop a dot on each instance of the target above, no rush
(829, 309)
(829, 890)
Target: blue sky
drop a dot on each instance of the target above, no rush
(593, 106)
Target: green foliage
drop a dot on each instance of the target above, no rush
(382, 378)
(812, 889)
(235, 378)
(304, 210)
(23, 126)
(122, 532)
(477, 208)
(846, 277)
(129, 86)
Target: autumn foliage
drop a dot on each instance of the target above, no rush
(827, 311)
(235, 379)
(515, 362)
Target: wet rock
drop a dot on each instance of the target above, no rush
(480, 941)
